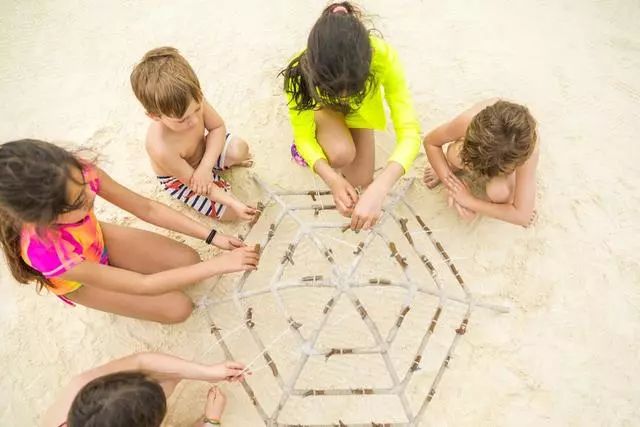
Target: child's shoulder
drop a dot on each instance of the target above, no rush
(156, 140)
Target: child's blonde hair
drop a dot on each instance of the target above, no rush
(164, 82)
(499, 138)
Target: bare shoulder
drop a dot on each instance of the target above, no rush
(156, 142)
(57, 412)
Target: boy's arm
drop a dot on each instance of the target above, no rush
(215, 138)
(448, 132)
(521, 210)
(171, 162)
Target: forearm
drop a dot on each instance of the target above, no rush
(126, 281)
(170, 219)
(503, 211)
(325, 171)
(214, 146)
(389, 176)
(165, 367)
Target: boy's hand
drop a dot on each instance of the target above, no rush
(344, 195)
(226, 242)
(200, 181)
(459, 191)
(226, 371)
(368, 209)
(241, 259)
(464, 213)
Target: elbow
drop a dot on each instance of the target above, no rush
(524, 218)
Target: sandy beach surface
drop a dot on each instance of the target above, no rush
(566, 355)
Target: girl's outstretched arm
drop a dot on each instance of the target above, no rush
(148, 210)
(167, 370)
(130, 282)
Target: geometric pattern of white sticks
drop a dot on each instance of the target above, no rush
(344, 288)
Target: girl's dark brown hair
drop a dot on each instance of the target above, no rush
(33, 189)
(335, 69)
(499, 138)
(122, 399)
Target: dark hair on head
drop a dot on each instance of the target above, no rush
(499, 138)
(122, 399)
(33, 189)
(335, 69)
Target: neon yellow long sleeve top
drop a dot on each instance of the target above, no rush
(389, 75)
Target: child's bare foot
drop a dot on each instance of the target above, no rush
(243, 211)
(430, 177)
(214, 408)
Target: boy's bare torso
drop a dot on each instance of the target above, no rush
(188, 145)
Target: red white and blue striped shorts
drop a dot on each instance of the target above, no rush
(204, 205)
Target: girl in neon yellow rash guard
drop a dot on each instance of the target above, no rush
(334, 90)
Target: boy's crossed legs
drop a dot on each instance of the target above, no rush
(234, 154)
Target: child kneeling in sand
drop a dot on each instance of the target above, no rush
(133, 391)
(187, 140)
(51, 236)
(496, 141)
(334, 91)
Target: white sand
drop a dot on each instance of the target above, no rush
(567, 354)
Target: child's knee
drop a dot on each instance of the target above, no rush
(181, 309)
(342, 154)
(498, 190)
(187, 256)
(237, 152)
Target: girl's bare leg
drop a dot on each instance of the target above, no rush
(144, 252)
(360, 171)
(334, 137)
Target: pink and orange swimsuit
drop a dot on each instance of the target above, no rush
(59, 248)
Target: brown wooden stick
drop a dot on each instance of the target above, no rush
(394, 253)
(313, 392)
(288, 256)
(379, 281)
(423, 225)
(434, 320)
(256, 248)
(362, 391)
(403, 313)
(272, 231)
(328, 305)
(463, 327)
(405, 229)
(359, 248)
(361, 309)
(427, 263)
(312, 278)
(416, 363)
(340, 351)
(329, 255)
(295, 325)
(249, 318)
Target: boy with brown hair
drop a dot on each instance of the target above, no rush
(187, 140)
(495, 141)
